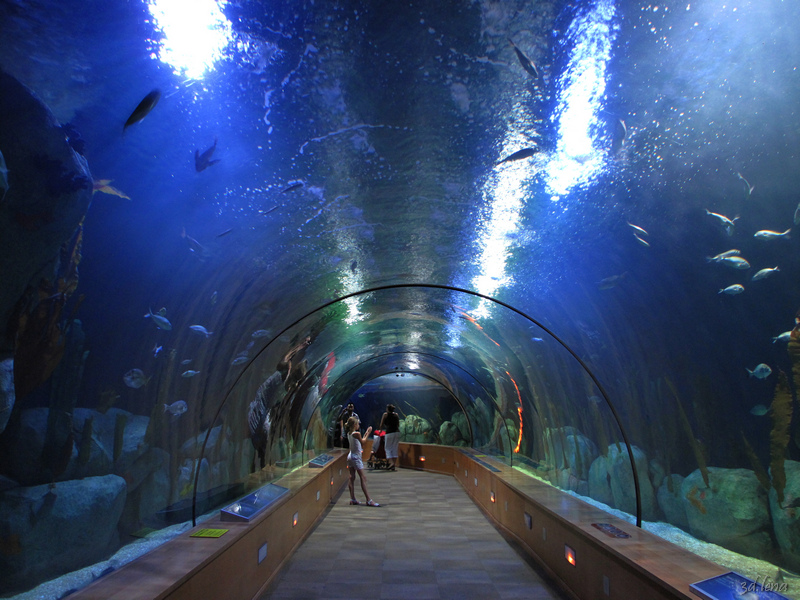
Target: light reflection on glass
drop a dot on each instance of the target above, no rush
(577, 158)
(195, 34)
(505, 193)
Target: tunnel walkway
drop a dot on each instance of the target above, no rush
(427, 540)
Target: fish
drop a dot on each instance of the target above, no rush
(737, 262)
(732, 290)
(3, 176)
(203, 161)
(157, 349)
(194, 245)
(101, 185)
(721, 255)
(189, 373)
(610, 282)
(135, 379)
(764, 273)
(213, 298)
(160, 319)
(537, 339)
(526, 62)
(186, 361)
(761, 371)
(145, 106)
(519, 155)
(637, 228)
(641, 241)
(259, 333)
(292, 187)
(224, 233)
(797, 215)
(201, 330)
(784, 337)
(727, 223)
(176, 408)
(759, 410)
(240, 360)
(750, 188)
(768, 234)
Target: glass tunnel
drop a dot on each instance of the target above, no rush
(557, 233)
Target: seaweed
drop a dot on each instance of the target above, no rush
(781, 410)
(698, 451)
(758, 468)
(119, 434)
(85, 449)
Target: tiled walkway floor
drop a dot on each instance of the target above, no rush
(427, 540)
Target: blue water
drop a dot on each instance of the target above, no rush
(395, 119)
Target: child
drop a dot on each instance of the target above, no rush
(354, 460)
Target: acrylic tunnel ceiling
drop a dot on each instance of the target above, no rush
(576, 162)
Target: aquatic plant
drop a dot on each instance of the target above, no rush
(698, 451)
(781, 410)
(85, 448)
(40, 336)
(758, 468)
(119, 434)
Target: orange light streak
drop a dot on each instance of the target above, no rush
(519, 411)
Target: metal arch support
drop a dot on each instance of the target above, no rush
(584, 366)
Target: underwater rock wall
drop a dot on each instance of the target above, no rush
(48, 193)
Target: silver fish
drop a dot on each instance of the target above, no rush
(737, 262)
(762, 371)
(797, 215)
(186, 361)
(176, 408)
(763, 273)
(641, 241)
(201, 330)
(239, 360)
(159, 319)
(157, 349)
(784, 337)
(750, 188)
(721, 255)
(732, 290)
(768, 234)
(727, 223)
(189, 373)
(759, 410)
(135, 379)
(259, 333)
(637, 228)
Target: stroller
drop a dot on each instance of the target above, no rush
(377, 458)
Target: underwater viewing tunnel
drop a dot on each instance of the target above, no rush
(556, 236)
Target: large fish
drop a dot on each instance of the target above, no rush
(203, 161)
(159, 319)
(526, 62)
(519, 155)
(145, 106)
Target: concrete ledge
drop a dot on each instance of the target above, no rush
(546, 521)
(188, 568)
